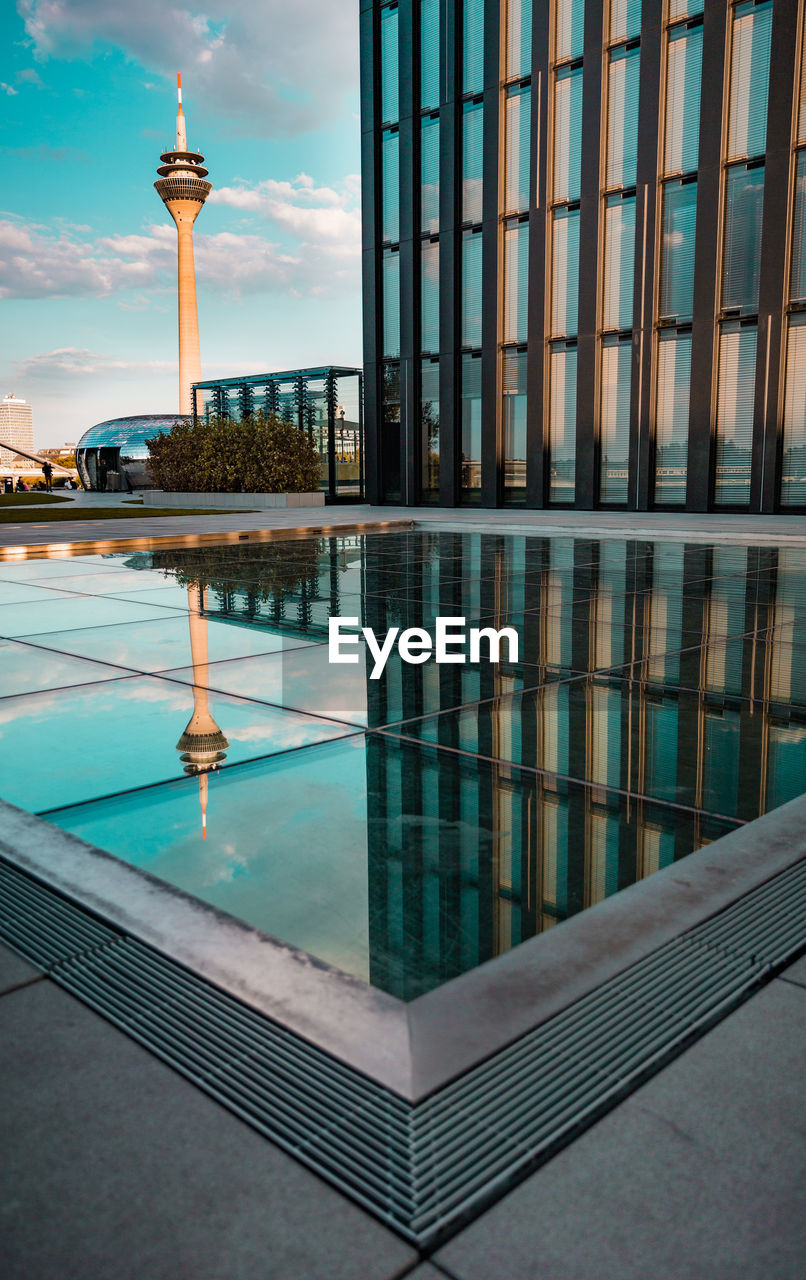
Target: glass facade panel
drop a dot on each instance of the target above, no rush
(390, 433)
(622, 117)
(625, 19)
(565, 272)
(517, 172)
(562, 423)
(743, 212)
(797, 288)
(516, 282)
(734, 427)
(671, 417)
(683, 87)
(390, 274)
(677, 250)
(472, 158)
(472, 46)
(619, 262)
(429, 174)
(518, 38)
(390, 96)
(615, 419)
(390, 185)
(802, 113)
(567, 133)
(471, 289)
(470, 469)
(793, 469)
(429, 53)
(684, 8)
(513, 383)
(429, 424)
(569, 29)
(429, 297)
(749, 79)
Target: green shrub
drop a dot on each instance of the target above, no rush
(257, 455)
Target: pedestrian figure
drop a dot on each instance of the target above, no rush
(47, 471)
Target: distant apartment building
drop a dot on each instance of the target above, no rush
(585, 253)
(16, 428)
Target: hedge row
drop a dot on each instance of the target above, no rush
(256, 455)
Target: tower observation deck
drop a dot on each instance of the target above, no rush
(183, 189)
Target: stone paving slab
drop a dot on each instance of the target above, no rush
(117, 1169)
(14, 971)
(700, 1173)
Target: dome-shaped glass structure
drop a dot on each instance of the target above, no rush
(118, 448)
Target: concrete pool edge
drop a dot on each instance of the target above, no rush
(417, 1049)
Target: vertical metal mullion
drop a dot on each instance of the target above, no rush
(370, 265)
(536, 425)
(706, 258)
(408, 55)
(589, 215)
(450, 238)
(490, 444)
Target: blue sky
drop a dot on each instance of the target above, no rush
(88, 253)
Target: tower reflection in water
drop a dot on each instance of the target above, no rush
(659, 703)
(203, 746)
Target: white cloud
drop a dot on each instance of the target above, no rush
(277, 68)
(8, 88)
(78, 362)
(324, 220)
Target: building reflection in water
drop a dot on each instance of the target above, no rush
(203, 746)
(660, 701)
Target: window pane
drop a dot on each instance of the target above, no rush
(683, 85)
(684, 8)
(513, 382)
(389, 67)
(516, 186)
(471, 289)
(429, 421)
(798, 285)
(429, 186)
(429, 314)
(470, 470)
(793, 470)
(749, 79)
(671, 422)
(565, 272)
(473, 46)
(390, 438)
(570, 26)
(567, 133)
(802, 112)
(516, 282)
(677, 250)
(625, 19)
(390, 186)
(615, 428)
(622, 120)
(562, 423)
(391, 302)
(429, 53)
(472, 157)
(734, 427)
(519, 38)
(745, 200)
(619, 262)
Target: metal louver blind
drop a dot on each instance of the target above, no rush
(734, 426)
(472, 160)
(615, 419)
(569, 31)
(802, 112)
(622, 117)
(471, 289)
(793, 469)
(429, 297)
(619, 262)
(513, 387)
(671, 421)
(516, 282)
(625, 19)
(684, 8)
(798, 281)
(472, 46)
(429, 175)
(516, 186)
(429, 53)
(683, 84)
(391, 302)
(677, 250)
(390, 96)
(390, 186)
(743, 212)
(749, 79)
(567, 133)
(519, 38)
(565, 272)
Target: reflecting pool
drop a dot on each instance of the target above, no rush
(178, 709)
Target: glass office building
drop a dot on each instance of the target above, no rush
(585, 253)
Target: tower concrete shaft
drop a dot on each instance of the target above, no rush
(183, 190)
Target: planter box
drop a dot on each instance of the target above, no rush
(235, 501)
